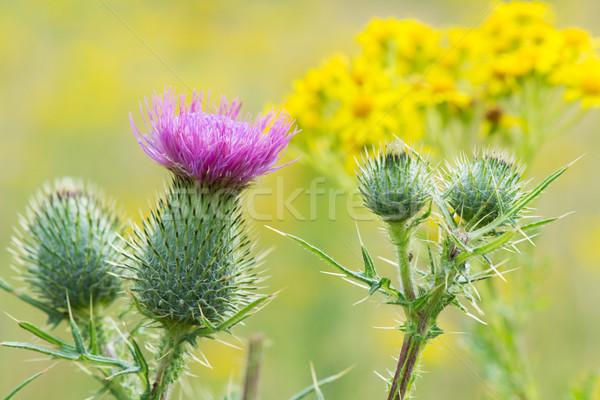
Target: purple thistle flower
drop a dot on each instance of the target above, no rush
(215, 147)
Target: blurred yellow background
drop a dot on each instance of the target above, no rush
(71, 72)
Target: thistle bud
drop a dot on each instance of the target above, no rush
(395, 185)
(482, 188)
(191, 260)
(66, 247)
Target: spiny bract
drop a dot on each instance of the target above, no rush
(482, 188)
(66, 246)
(396, 184)
(191, 259)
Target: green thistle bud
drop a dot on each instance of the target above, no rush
(191, 260)
(482, 188)
(66, 247)
(395, 185)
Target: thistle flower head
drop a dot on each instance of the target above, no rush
(66, 247)
(212, 146)
(482, 188)
(191, 261)
(395, 184)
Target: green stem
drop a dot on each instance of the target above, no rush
(105, 347)
(253, 367)
(170, 364)
(400, 235)
(416, 339)
(412, 346)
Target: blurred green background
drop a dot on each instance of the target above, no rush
(71, 71)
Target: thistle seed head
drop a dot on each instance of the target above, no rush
(65, 246)
(482, 188)
(395, 184)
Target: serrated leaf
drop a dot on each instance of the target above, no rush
(54, 316)
(25, 383)
(130, 370)
(77, 338)
(432, 266)
(141, 361)
(235, 319)
(105, 361)
(67, 355)
(382, 283)
(522, 203)
(538, 224)
(434, 332)
(45, 335)
(359, 276)
(457, 304)
(417, 221)
(418, 303)
(330, 260)
(310, 389)
(486, 248)
(93, 348)
(368, 261)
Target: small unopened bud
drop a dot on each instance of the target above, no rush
(66, 247)
(395, 185)
(482, 188)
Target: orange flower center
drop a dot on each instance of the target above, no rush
(590, 84)
(362, 106)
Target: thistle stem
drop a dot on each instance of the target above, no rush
(406, 273)
(400, 236)
(411, 349)
(253, 367)
(415, 340)
(170, 364)
(104, 346)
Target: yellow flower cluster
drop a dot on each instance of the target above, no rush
(449, 87)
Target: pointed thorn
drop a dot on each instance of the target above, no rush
(358, 233)
(275, 230)
(13, 318)
(575, 160)
(475, 318)
(361, 300)
(387, 261)
(332, 273)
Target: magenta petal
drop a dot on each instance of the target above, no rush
(212, 146)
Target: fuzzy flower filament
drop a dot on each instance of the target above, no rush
(212, 145)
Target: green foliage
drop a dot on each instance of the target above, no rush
(24, 383)
(317, 385)
(79, 351)
(491, 193)
(587, 388)
(66, 248)
(190, 268)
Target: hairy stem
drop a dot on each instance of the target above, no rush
(104, 346)
(400, 236)
(170, 364)
(416, 338)
(411, 349)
